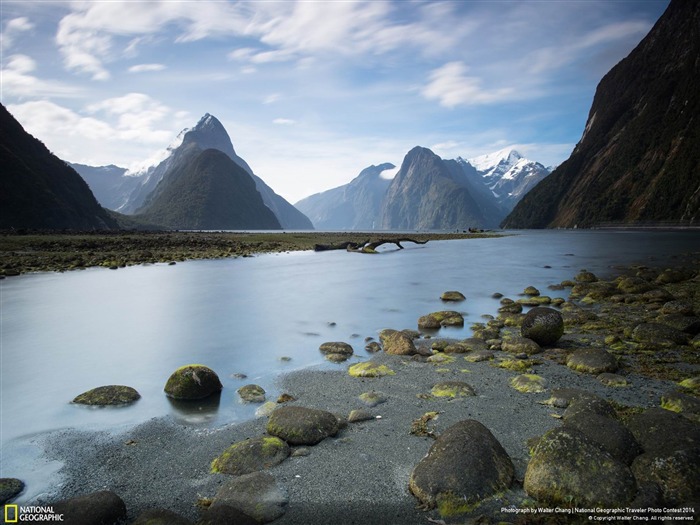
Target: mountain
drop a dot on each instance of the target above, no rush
(429, 194)
(206, 190)
(353, 206)
(108, 183)
(638, 159)
(209, 133)
(40, 191)
(509, 175)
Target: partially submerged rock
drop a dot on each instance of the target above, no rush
(543, 325)
(336, 351)
(465, 465)
(10, 488)
(397, 343)
(302, 426)
(567, 468)
(193, 382)
(453, 296)
(108, 395)
(252, 393)
(256, 495)
(443, 318)
(251, 455)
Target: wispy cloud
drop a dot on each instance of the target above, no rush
(18, 80)
(284, 121)
(146, 68)
(451, 86)
(13, 28)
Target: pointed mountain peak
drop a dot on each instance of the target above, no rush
(489, 161)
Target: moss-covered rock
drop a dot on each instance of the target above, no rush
(538, 300)
(373, 347)
(108, 395)
(302, 426)
(478, 356)
(684, 323)
(440, 358)
(443, 318)
(531, 290)
(659, 430)
(592, 361)
(584, 276)
(336, 351)
(397, 343)
(252, 393)
(563, 397)
(453, 296)
(193, 382)
(256, 495)
(682, 403)
(677, 473)
(612, 380)
(691, 383)
(529, 383)
(634, 285)
(370, 369)
(511, 308)
(520, 345)
(543, 325)
(567, 468)
(677, 307)
(471, 344)
(452, 389)
(10, 488)
(660, 334)
(360, 414)
(251, 455)
(516, 365)
(265, 409)
(608, 432)
(657, 295)
(465, 465)
(589, 403)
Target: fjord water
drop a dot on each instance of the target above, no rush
(65, 333)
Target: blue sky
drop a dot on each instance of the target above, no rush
(312, 92)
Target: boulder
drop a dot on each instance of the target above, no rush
(677, 307)
(592, 361)
(613, 380)
(225, 515)
(336, 351)
(684, 323)
(256, 495)
(302, 426)
(465, 465)
(531, 290)
(372, 398)
(563, 397)
(520, 345)
(659, 430)
(684, 404)
(108, 395)
(452, 296)
(657, 333)
(103, 507)
(543, 325)
(397, 343)
(584, 276)
(677, 473)
(10, 488)
(589, 403)
(452, 389)
(567, 468)
(252, 393)
(193, 382)
(481, 355)
(471, 344)
(251, 455)
(160, 517)
(511, 308)
(609, 433)
(373, 347)
(443, 318)
(634, 285)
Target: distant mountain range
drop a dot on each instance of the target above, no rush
(38, 190)
(143, 192)
(638, 160)
(427, 193)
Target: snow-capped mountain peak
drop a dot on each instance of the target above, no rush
(503, 157)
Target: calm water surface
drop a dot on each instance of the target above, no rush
(62, 334)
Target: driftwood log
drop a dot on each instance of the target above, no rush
(367, 246)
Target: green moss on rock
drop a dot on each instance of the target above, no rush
(452, 389)
(193, 382)
(251, 455)
(529, 383)
(370, 369)
(108, 395)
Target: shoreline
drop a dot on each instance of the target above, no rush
(363, 471)
(27, 252)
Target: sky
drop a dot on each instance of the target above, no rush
(312, 92)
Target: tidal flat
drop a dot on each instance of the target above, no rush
(25, 252)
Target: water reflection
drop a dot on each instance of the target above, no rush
(195, 411)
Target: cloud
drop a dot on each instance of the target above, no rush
(146, 68)
(272, 98)
(138, 117)
(14, 28)
(284, 121)
(18, 80)
(450, 86)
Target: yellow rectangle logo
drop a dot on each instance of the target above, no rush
(11, 514)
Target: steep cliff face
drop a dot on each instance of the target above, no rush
(40, 191)
(427, 194)
(639, 157)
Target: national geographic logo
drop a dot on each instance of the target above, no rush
(17, 514)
